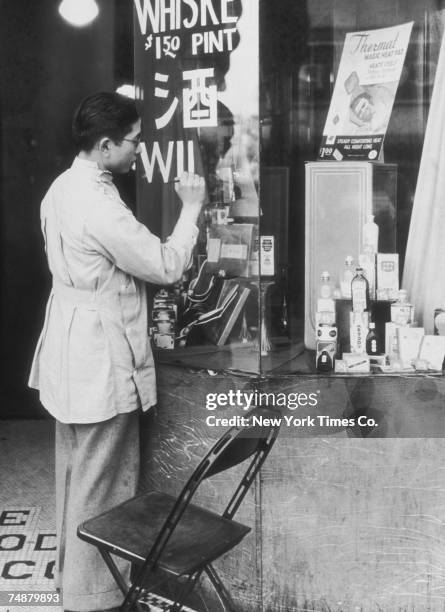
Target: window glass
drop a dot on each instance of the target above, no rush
(196, 70)
(300, 51)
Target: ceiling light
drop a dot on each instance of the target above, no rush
(79, 12)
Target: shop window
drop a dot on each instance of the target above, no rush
(241, 93)
(197, 81)
(328, 202)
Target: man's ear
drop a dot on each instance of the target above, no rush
(104, 144)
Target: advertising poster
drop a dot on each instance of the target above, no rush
(366, 84)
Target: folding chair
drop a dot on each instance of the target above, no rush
(167, 537)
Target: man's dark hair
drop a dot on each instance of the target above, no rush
(103, 114)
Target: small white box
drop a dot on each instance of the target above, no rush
(408, 341)
(267, 255)
(432, 350)
(356, 362)
(391, 340)
(340, 366)
(387, 276)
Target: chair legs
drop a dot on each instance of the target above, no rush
(130, 602)
(186, 588)
(113, 569)
(223, 593)
(131, 605)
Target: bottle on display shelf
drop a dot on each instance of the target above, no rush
(324, 362)
(367, 261)
(371, 340)
(371, 234)
(402, 312)
(326, 347)
(325, 285)
(359, 291)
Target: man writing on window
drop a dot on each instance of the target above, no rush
(93, 364)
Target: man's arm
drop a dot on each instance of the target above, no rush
(114, 231)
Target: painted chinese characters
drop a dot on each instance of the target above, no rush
(199, 100)
(161, 92)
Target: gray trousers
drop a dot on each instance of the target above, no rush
(97, 467)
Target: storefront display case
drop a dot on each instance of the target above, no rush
(339, 198)
(331, 199)
(240, 92)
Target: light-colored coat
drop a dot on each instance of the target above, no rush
(93, 358)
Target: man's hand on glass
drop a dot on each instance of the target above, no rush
(191, 190)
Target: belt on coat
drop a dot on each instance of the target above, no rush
(90, 297)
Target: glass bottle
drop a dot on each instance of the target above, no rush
(359, 291)
(325, 285)
(324, 362)
(366, 261)
(371, 341)
(371, 234)
(402, 312)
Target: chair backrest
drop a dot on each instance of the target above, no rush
(238, 444)
(253, 439)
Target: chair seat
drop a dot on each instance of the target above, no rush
(131, 528)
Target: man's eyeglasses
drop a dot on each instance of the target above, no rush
(134, 141)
